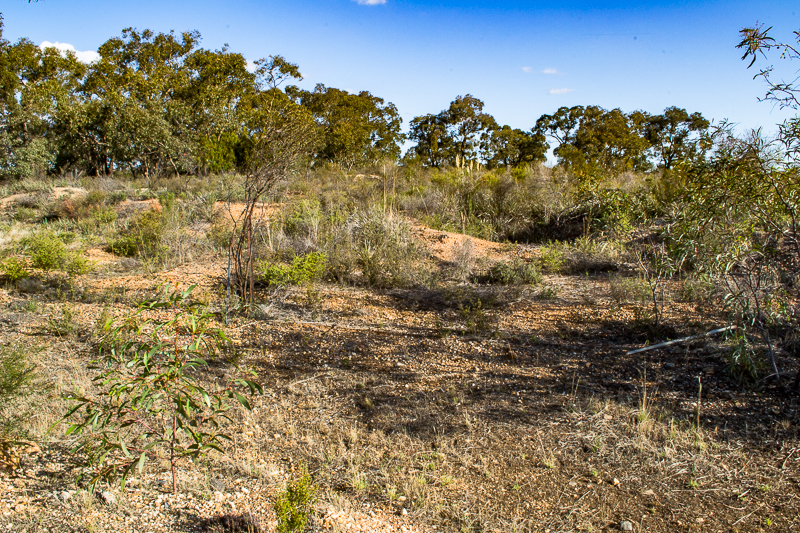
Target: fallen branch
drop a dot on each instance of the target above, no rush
(685, 339)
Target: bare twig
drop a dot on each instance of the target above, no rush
(684, 339)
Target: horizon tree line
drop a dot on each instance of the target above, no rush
(155, 104)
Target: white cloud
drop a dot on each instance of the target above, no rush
(561, 91)
(527, 69)
(550, 71)
(371, 2)
(84, 57)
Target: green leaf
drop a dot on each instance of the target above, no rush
(140, 464)
(124, 448)
(242, 400)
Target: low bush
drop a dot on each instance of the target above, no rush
(295, 503)
(303, 269)
(14, 269)
(19, 379)
(46, 250)
(376, 249)
(140, 236)
(517, 272)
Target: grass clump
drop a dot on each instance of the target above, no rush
(19, 379)
(295, 503)
(380, 247)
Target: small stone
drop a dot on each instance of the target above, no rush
(401, 499)
(404, 512)
(625, 525)
(615, 482)
(107, 498)
(649, 492)
(66, 496)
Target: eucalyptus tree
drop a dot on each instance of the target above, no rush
(468, 126)
(35, 85)
(276, 136)
(433, 143)
(674, 135)
(592, 139)
(132, 116)
(217, 83)
(454, 135)
(357, 128)
(511, 147)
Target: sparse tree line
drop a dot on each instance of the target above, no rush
(159, 104)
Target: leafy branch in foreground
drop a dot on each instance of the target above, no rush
(151, 402)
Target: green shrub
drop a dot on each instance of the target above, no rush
(25, 213)
(46, 250)
(477, 321)
(697, 288)
(517, 272)
(381, 247)
(104, 215)
(744, 363)
(304, 268)
(140, 236)
(14, 269)
(17, 375)
(295, 502)
(62, 324)
(219, 235)
(552, 258)
(167, 200)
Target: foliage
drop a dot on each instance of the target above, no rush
(295, 502)
(140, 236)
(453, 136)
(279, 135)
(740, 226)
(674, 135)
(511, 147)
(381, 247)
(17, 375)
(46, 250)
(303, 269)
(62, 324)
(14, 269)
(357, 129)
(594, 141)
(515, 272)
(756, 42)
(151, 400)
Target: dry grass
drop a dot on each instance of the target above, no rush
(403, 410)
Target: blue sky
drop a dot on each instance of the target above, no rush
(523, 59)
